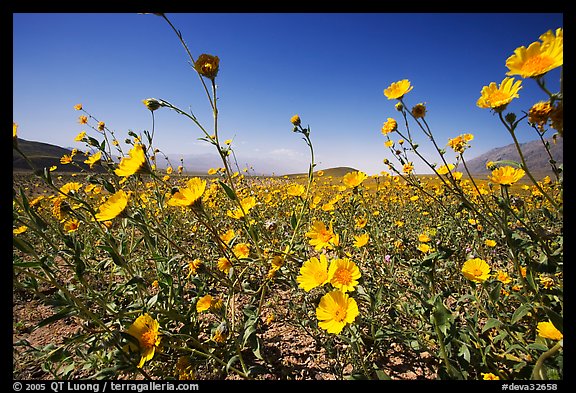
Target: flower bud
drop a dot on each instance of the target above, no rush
(152, 103)
(510, 117)
(295, 120)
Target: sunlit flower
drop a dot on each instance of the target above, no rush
(204, 303)
(71, 187)
(224, 264)
(389, 143)
(207, 65)
(361, 240)
(241, 250)
(423, 247)
(80, 136)
(145, 331)
(94, 159)
(78, 107)
(419, 110)
(390, 126)
(190, 195)
(113, 207)
(134, 163)
(354, 179)
(546, 281)
(503, 277)
(71, 225)
(460, 143)
(336, 309)
(193, 267)
(66, 159)
(408, 168)
(498, 97)
(506, 175)
(548, 330)
(101, 126)
(476, 270)
(490, 243)
(313, 273)
(343, 274)
(397, 89)
(490, 377)
(361, 222)
(443, 170)
(295, 190)
(24, 228)
(321, 237)
(247, 204)
(83, 119)
(228, 236)
(539, 57)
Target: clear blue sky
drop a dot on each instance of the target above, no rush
(330, 68)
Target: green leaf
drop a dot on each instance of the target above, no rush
(491, 323)
(381, 375)
(151, 302)
(520, 313)
(229, 192)
(464, 352)
(23, 245)
(293, 221)
(442, 315)
(231, 362)
(56, 317)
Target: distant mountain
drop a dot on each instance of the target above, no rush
(534, 153)
(334, 172)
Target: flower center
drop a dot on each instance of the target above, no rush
(477, 272)
(537, 65)
(148, 339)
(339, 314)
(342, 276)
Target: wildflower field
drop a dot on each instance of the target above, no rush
(162, 275)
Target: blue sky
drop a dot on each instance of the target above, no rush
(330, 68)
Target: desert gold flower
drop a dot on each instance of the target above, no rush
(361, 240)
(224, 264)
(548, 330)
(460, 143)
(207, 65)
(423, 238)
(24, 228)
(145, 330)
(354, 179)
(94, 159)
(503, 277)
(343, 274)
(295, 190)
(423, 247)
(321, 237)
(83, 119)
(71, 225)
(539, 113)
(70, 187)
(408, 168)
(389, 126)
(228, 236)
(490, 243)
(101, 126)
(113, 207)
(445, 169)
(190, 195)
(134, 163)
(204, 303)
(295, 120)
(498, 97)
(397, 89)
(539, 57)
(389, 143)
(78, 107)
(476, 270)
(241, 250)
(313, 273)
(66, 159)
(490, 377)
(506, 175)
(80, 136)
(247, 204)
(361, 222)
(336, 309)
(193, 267)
